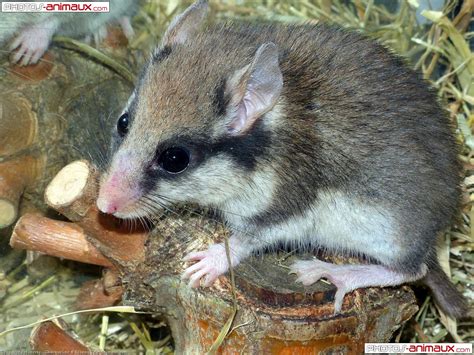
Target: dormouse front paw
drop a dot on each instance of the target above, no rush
(32, 43)
(210, 264)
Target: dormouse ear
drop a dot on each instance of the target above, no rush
(185, 25)
(255, 89)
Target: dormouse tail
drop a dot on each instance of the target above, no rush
(447, 297)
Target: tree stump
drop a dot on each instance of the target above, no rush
(275, 314)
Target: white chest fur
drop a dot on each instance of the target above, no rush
(335, 222)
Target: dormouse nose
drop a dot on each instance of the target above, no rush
(116, 194)
(106, 206)
(118, 189)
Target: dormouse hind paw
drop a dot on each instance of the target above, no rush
(350, 277)
(310, 271)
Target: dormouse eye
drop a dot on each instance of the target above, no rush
(122, 125)
(174, 160)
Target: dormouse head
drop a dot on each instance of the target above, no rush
(195, 129)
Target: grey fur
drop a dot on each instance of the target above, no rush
(356, 147)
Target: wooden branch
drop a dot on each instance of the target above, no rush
(56, 238)
(115, 238)
(15, 176)
(73, 193)
(51, 337)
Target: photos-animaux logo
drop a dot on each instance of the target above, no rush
(49, 6)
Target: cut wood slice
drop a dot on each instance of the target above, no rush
(15, 176)
(18, 122)
(73, 190)
(8, 212)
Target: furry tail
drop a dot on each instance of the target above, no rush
(446, 296)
